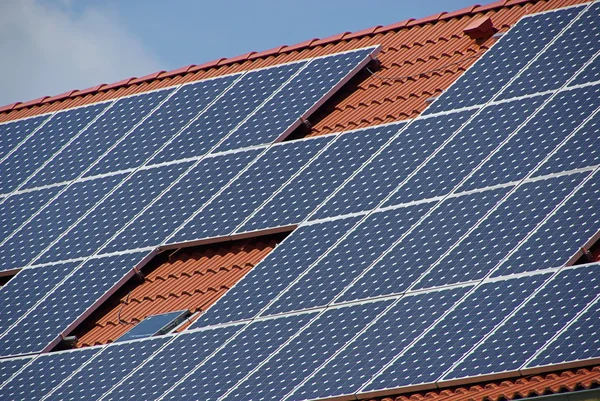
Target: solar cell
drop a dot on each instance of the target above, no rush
(543, 315)
(106, 218)
(410, 258)
(9, 367)
(169, 365)
(271, 170)
(13, 133)
(44, 373)
(507, 57)
(455, 333)
(320, 340)
(320, 178)
(227, 112)
(242, 355)
(365, 355)
(298, 98)
(562, 59)
(590, 73)
(33, 153)
(278, 270)
(46, 226)
(85, 287)
(343, 263)
(382, 174)
(97, 138)
(173, 207)
(106, 369)
(494, 237)
(537, 139)
(163, 124)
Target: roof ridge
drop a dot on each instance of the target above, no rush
(312, 43)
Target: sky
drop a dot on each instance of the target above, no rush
(53, 46)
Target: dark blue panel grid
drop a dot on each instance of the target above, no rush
(580, 341)
(412, 256)
(45, 373)
(348, 259)
(491, 241)
(306, 191)
(260, 181)
(92, 232)
(16, 209)
(300, 357)
(296, 98)
(224, 369)
(520, 337)
(286, 262)
(67, 303)
(360, 360)
(44, 228)
(171, 364)
(456, 333)
(555, 66)
(227, 112)
(498, 65)
(44, 143)
(562, 235)
(107, 369)
(28, 287)
(13, 132)
(581, 150)
(9, 367)
(169, 212)
(162, 125)
(591, 73)
(542, 134)
(97, 138)
(470, 147)
(381, 176)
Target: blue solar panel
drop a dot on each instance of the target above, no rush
(462, 154)
(433, 237)
(28, 287)
(153, 325)
(244, 353)
(591, 73)
(544, 314)
(498, 66)
(297, 99)
(44, 373)
(454, 334)
(286, 262)
(53, 219)
(560, 238)
(491, 241)
(61, 128)
(270, 171)
(319, 179)
(174, 206)
(227, 112)
(92, 232)
(97, 138)
(9, 367)
(381, 176)
(300, 357)
(348, 371)
(106, 369)
(171, 117)
(13, 133)
(85, 287)
(543, 133)
(170, 364)
(557, 64)
(348, 258)
(16, 209)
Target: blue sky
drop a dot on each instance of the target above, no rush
(58, 45)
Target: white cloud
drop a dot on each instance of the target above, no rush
(47, 50)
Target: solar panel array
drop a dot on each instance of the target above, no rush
(437, 250)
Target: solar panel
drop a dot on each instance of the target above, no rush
(589, 73)
(9, 367)
(155, 325)
(14, 133)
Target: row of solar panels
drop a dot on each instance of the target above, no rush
(494, 327)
